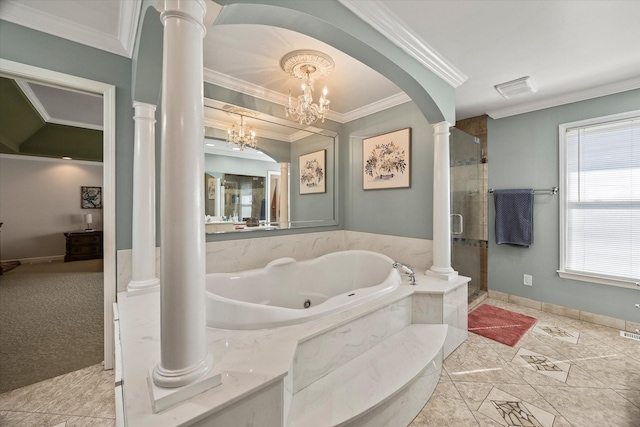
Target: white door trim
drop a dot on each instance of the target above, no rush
(108, 92)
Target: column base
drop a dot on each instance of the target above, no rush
(136, 287)
(169, 388)
(442, 273)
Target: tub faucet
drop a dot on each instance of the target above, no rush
(408, 271)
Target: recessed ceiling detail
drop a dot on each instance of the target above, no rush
(64, 107)
(307, 63)
(245, 57)
(106, 25)
(238, 111)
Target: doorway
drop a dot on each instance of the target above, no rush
(16, 70)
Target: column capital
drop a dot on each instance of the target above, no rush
(441, 127)
(144, 111)
(190, 10)
(144, 105)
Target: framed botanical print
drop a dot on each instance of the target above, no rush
(386, 160)
(313, 172)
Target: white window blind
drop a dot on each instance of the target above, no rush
(601, 212)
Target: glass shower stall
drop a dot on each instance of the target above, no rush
(468, 210)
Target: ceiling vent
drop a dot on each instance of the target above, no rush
(516, 87)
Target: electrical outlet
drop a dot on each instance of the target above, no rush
(528, 280)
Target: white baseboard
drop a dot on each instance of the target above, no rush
(38, 260)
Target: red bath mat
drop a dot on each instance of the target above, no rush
(499, 325)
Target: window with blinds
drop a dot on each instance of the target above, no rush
(600, 204)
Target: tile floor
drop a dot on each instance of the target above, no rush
(563, 373)
(83, 398)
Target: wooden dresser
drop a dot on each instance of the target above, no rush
(83, 245)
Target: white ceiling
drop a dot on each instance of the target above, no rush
(63, 106)
(572, 50)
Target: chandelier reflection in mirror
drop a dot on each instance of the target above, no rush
(242, 137)
(307, 65)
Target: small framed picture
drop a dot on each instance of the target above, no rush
(91, 197)
(211, 188)
(313, 172)
(386, 160)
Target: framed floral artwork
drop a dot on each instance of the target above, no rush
(313, 172)
(91, 197)
(386, 160)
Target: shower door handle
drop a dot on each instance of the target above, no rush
(461, 224)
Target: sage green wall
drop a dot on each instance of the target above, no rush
(406, 212)
(54, 140)
(21, 44)
(18, 119)
(309, 208)
(523, 153)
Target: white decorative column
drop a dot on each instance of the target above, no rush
(284, 195)
(143, 244)
(184, 358)
(441, 205)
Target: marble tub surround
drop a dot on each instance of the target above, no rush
(413, 355)
(583, 400)
(257, 365)
(238, 255)
(316, 357)
(245, 254)
(442, 302)
(418, 253)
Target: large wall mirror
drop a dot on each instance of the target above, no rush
(287, 181)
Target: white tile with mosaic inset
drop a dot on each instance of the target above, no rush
(557, 332)
(508, 410)
(556, 369)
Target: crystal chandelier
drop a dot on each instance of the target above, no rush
(307, 65)
(242, 137)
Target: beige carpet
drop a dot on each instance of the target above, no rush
(51, 321)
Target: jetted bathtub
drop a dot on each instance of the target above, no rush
(287, 291)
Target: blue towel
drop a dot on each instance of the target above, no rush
(514, 217)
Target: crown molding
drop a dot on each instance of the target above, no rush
(23, 14)
(383, 104)
(610, 89)
(229, 82)
(248, 153)
(75, 124)
(49, 159)
(225, 126)
(33, 99)
(129, 16)
(376, 14)
(233, 83)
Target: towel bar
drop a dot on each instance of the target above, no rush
(552, 190)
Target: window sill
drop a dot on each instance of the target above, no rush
(600, 280)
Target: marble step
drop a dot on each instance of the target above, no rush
(368, 381)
